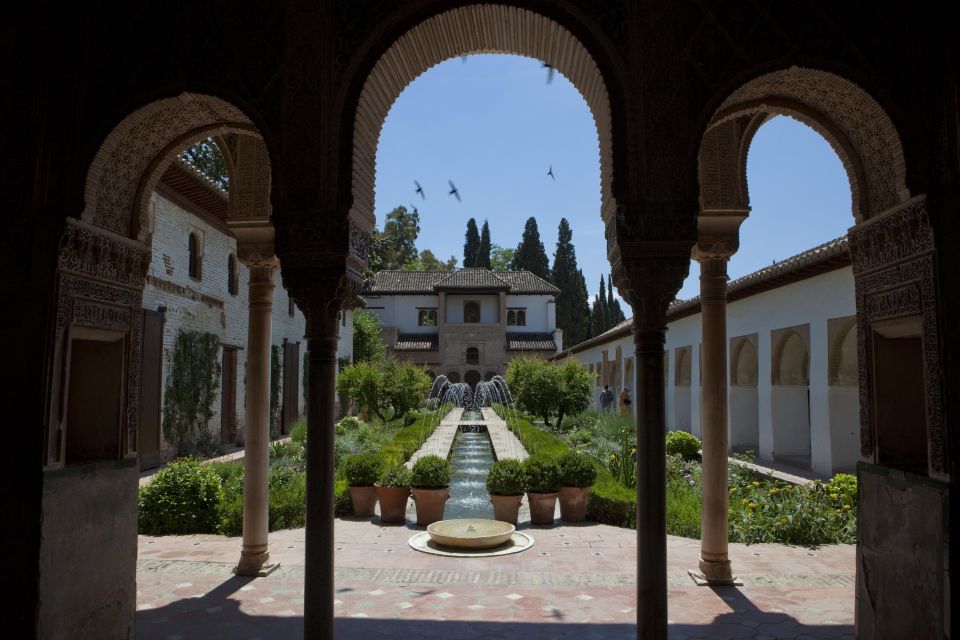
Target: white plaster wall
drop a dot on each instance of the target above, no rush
(402, 311)
(539, 311)
(345, 346)
(791, 420)
(834, 411)
(206, 305)
(489, 308)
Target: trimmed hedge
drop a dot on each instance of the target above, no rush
(182, 498)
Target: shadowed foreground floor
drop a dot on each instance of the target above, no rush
(576, 582)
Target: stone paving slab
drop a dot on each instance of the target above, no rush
(576, 582)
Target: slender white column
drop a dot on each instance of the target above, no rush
(255, 554)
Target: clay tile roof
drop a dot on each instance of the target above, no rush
(472, 278)
(427, 282)
(526, 282)
(417, 342)
(409, 282)
(530, 342)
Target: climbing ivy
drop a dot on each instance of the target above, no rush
(190, 390)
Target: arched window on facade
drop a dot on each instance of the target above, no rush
(517, 317)
(472, 377)
(792, 363)
(490, 375)
(473, 355)
(196, 256)
(453, 377)
(471, 312)
(511, 317)
(233, 276)
(682, 368)
(844, 366)
(291, 306)
(743, 363)
(427, 318)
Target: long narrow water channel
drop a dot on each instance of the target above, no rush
(470, 458)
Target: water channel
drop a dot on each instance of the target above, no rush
(470, 459)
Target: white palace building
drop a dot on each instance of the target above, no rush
(792, 369)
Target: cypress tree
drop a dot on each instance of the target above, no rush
(483, 252)
(471, 244)
(572, 301)
(530, 254)
(600, 317)
(614, 312)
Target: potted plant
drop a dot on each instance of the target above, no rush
(362, 471)
(393, 491)
(506, 483)
(543, 483)
(430, 481)
(577, 475)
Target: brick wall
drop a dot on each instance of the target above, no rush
(206, 304)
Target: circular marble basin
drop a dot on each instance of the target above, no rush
(470, 533)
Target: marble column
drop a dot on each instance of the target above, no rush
(255, 555)
(714, 559)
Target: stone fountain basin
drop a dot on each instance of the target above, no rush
(472, 533)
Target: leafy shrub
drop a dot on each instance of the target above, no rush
(396, 476)
(182, 498)
(580, 438)
(622, 463)
(288, 454)
(288, 499)
(577, 470)
(542, 473)
(611, 503)
(190, 390)
(348, 424)
(506, 478)
(845, 485)
(342, 505)
(740, 475)
(683, 507)
(298, 433)
(779, 512)
(362, 470)
(681, 443)
(430, 472)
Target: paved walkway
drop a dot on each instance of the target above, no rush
(576, 582)
(440, 441)
(506, 445)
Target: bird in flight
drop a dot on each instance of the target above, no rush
(550, 71)
(550, 173)
(419, 190)
(453, 191)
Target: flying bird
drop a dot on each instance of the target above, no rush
(453, 191)
(550, 173)
(419, 190)
(550, 71)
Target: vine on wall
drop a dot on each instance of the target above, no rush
(275, 364)
(190, 390)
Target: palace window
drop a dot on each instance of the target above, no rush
(291, 306)
(516, 317)
(471, 312)
(427, 318)
(196, 256)
(233, 284)
(473, 355)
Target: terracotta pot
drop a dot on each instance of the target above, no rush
(506, 508)
(393, 503)
(364, 500)
(573, 503)
(430, 504)
(542, 506)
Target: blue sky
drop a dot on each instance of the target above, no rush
(494, 126)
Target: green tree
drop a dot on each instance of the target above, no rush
(190, 390)
(363, 383)
(575, 389)
(614, 312)
(572, 302)
(530, 254)
(367, 343)
(535, 386)
(401, 228)
(501, 258)
(207, 158)
(598, 317)
(483, 252)
(405, 385)
(429, 262)
(471, 244)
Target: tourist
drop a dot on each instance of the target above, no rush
(625, 401)
(606, 398)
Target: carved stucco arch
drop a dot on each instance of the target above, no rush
(473, 29)
(849, 119)
(128, 165)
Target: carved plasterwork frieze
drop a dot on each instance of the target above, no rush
(894, 263)
(88, 251)
(101, 316)
(311, 239)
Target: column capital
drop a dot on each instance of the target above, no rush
(718, 233)
(321, 293)
(650, 283)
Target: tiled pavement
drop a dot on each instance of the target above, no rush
(576, 582)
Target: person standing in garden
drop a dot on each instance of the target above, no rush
(625, 401)
(606, 398)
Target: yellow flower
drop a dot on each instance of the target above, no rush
(744, 501)
(834, 496)
(613, 456)
(734, 490)
(846, 507)
(633, 451)
(773, 492)
(756, 484)
(752, 505)
(783, 521)
(836, 510)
